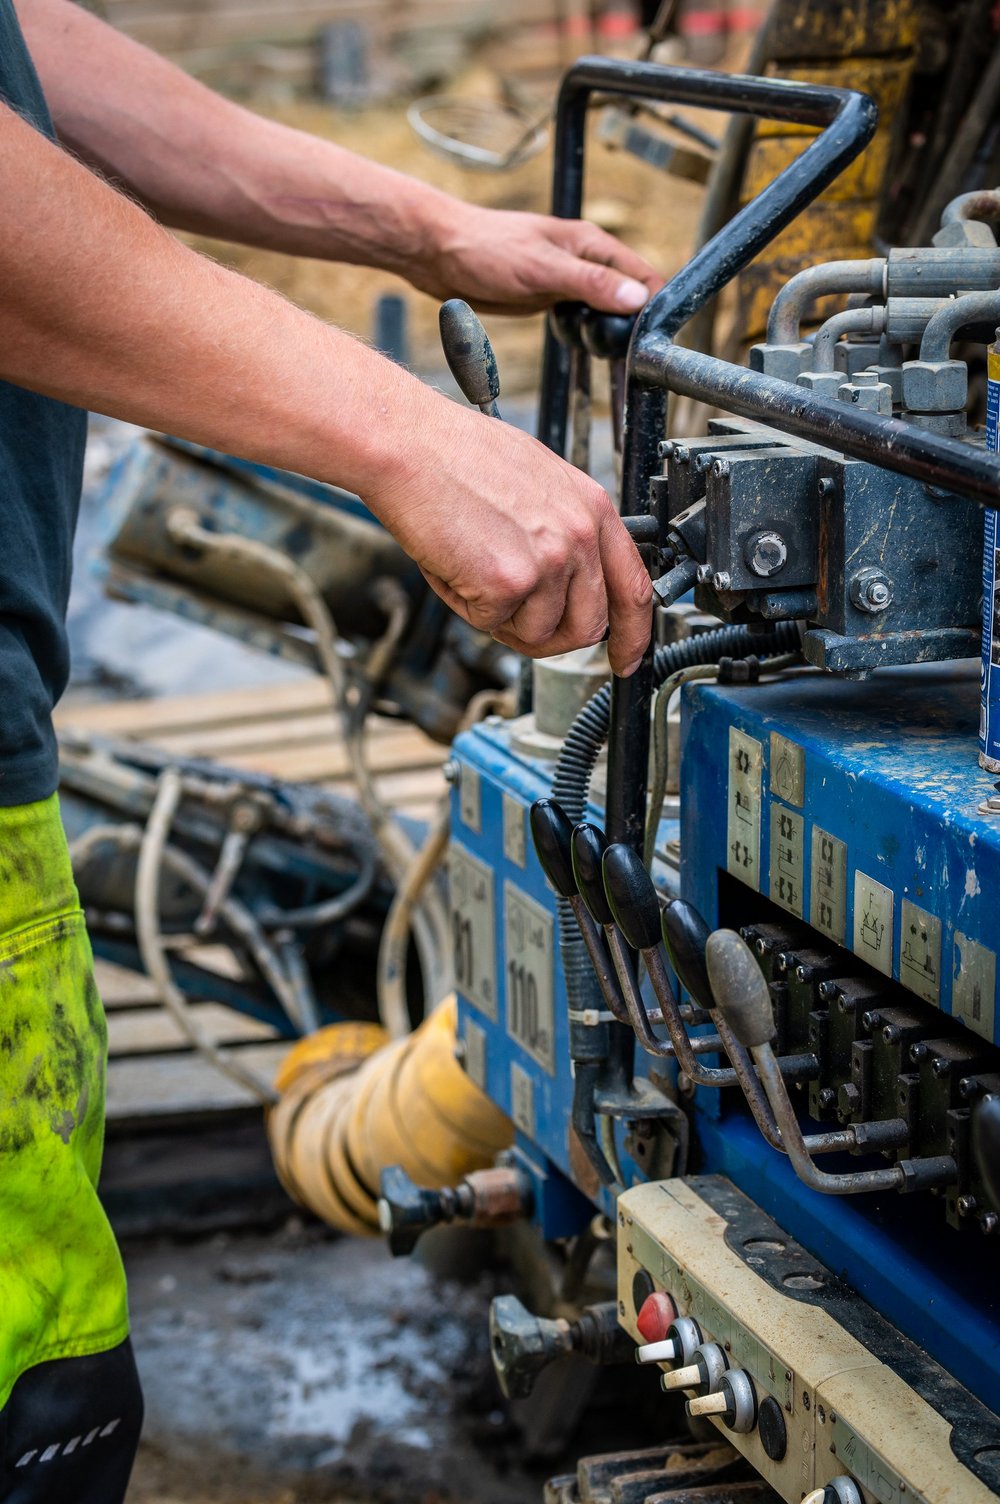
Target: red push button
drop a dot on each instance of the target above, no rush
(655, 1316)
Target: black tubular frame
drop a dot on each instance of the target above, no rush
(848, 122)
(656, 364)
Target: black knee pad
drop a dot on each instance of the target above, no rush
(69, 1432)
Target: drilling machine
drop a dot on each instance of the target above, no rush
(750, 1025)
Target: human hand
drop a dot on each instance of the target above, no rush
(516, 541)
(504, 261)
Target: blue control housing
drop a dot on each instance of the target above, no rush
(888, 768)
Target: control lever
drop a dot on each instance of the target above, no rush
(741, 994)
(588, 846)
(522, 1344)
(485, 1198)
(552, 835)
(469, 354)
(685, 935)
(632, 902)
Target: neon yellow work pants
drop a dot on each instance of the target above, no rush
(62, 1285)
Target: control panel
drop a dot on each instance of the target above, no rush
(796, 1371)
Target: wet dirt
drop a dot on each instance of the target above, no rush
(306, 1367)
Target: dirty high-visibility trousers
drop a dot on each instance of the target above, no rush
(70, 1403)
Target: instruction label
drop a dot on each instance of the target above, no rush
(788, 770)
(528, 949)
(475, 1054)
(522, 1099)
(828, 888)
(873, 903)
(973, 991)
(920, 952)
(743, 824)
(472, 929)
(787, 860)
(514, 840)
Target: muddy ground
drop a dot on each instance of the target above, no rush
(297, 1366)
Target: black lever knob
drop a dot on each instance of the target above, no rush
(406, 1210)
(469, 354)
(606, 335)
(632, 897)
(685, 934)
(986, 1144)
(552, 834)
(522, 1344)
(739, 988)
(589, 846)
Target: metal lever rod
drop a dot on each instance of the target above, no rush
(740, 990)
(635, 911)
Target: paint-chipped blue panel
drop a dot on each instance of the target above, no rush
(537, 1097)
(890, 771)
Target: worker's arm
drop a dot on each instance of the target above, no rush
(102, 308)
(200, 162)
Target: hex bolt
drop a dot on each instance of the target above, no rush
(720, 468)
(966, 1205)
(827, 1096)
(665, 448)
(871, 590)
(721, 580)
(705, 573)
(765, 553)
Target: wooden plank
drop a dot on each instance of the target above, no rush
(143, 719)
(174, 1086)
(146, 1031)
(120, 988)
(328, 763)
(404, 746)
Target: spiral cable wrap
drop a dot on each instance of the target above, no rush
(587, 736)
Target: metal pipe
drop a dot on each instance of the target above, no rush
(851, 321)
(981, 206)
(975, 308)
(788, 309)
(941, 271)
(899, 446)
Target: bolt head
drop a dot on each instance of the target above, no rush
(705, 573)
(765, 553)
(721, 580)
(871, 590)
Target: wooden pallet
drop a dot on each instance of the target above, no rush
(289, 731)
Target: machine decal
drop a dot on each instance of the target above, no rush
(974, 987)
(522, 1099)
(787, 859)
(475, 1053)
(920, 952)
(473, 930)
(787, 770)
(873, 903)
(470, 798)
(528, 947)
(514, 837)
(745, 763)
(828, 898)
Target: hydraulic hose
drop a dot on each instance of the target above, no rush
(587, 736)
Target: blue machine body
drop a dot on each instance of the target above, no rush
(866, 820)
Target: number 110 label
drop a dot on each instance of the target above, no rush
(529, 981)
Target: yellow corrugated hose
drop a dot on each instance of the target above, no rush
(353, 1102)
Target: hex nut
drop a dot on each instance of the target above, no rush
(893, 377)
(765, 553)
(822, 383)
(951, 425)
(871, 590)
(783, 362)
(853, 357)
(935, 386)
(872, 396)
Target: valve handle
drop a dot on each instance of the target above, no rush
(469, 354)
(632, 896)
(552, 834)
(589, 846)
(986, 1143)
(406, 1210)
(739, 988)
(685, 934)
(522, 1344)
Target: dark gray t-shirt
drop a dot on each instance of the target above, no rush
(41, 469)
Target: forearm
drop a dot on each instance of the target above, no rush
(120, 317)
(201, 163)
